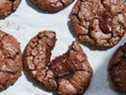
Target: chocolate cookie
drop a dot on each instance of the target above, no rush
(117, 69)
(51, 6)
(68, 74)
(99, 24)
(72, 71)
(7, 7)
(10, 60)
(37, 58)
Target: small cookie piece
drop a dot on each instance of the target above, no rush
(51, 6)
(10, 60)
(117, 69)
(68, 74)
(7, 7)
(99, 24)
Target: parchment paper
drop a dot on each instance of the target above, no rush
(26, 22)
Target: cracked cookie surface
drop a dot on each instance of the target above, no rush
(51, 6)
(68, 74)
(117, 69)
(10, 60)
(7, 7)
(99, 24)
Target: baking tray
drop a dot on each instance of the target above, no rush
(26, 22)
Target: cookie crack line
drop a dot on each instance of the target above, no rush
(65, 68)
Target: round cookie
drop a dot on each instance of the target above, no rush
(7, 7)
(51, 6)
(99, 24)
(68, 74)
(117, 69)
(10, 60)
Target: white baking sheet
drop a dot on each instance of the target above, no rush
(26, 22)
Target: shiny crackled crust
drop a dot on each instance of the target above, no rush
(51, 6)
(117, 69)
(99, 24)
(68, 74)
(7, 7)
(10, 60)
